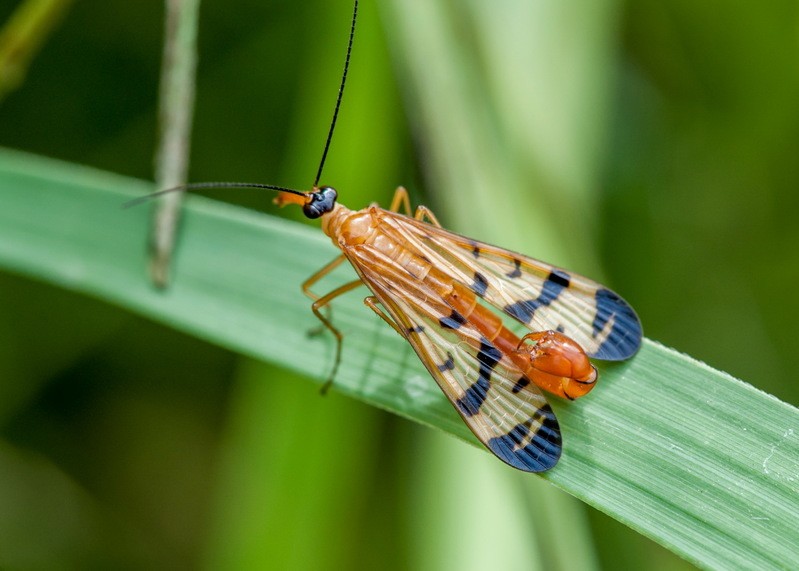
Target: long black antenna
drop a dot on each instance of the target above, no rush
(340, 94)
(210, 185)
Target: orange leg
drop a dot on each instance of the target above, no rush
(422, 212)
(306, 285)
(316, 307)
(306, 289)
(323, 302)
(371, 302)
(401, 199)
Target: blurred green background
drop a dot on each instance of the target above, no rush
(651, 144)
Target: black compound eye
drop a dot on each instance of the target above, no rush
(322, 202)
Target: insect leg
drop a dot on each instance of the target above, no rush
(401, 200)
(371, 302)
(306, 289)
(422, 212)
(317, 306)
(306, 285)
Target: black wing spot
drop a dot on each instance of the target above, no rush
(488, 356)
(475, 248)
(454, 321)
(520, 384)
(474, 397)
(480, 284)
(540, 453)
(517, 272)
(624, 338)
(525, 309)
(522, 310)
(559, 277)
(447, 365)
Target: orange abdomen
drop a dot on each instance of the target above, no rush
(551, 360)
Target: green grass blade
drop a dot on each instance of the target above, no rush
(689, 456)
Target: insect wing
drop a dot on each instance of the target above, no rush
(515, 423)
(534, 293)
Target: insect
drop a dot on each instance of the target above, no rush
(445, 294)
(434, 288)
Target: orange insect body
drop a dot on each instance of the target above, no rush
(554, 362)
(435, 288)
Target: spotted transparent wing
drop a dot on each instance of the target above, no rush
(507, 413)
(534, 293)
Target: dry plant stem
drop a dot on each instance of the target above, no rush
(176, 106)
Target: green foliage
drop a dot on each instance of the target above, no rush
(652, 146)
(681, 465)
